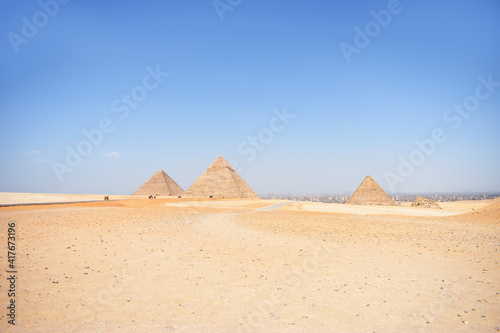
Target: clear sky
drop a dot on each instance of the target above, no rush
(300, 96)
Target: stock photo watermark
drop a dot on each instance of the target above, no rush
(121, 107)
(294, 278)
(363, 37)
(11, 270)
(93, 306)
(31, 26)
(432, 311)
(253, 144)
(454, 118)
(221, 7)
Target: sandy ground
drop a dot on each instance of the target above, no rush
(229, 266)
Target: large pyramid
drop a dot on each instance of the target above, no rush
(370, 193)
(160, 184)
(220, 180)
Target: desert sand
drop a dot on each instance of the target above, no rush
(242, 265)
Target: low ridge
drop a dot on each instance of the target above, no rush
(425, 203)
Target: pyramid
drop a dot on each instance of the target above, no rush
(160, 183)
(425, 203)
(370, 193)
(220, 180)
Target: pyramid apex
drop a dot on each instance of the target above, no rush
(220, 162)
(160, 173)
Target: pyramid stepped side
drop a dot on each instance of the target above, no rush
(370, 193)
(160, 183)
(220, 180)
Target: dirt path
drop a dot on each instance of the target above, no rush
(272, 207)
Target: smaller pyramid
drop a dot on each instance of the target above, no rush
(220, 180)
(370, 193)
(425, 203)
(160, 184)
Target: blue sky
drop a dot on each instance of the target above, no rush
(67, 68)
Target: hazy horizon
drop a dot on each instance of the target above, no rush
(298, 97)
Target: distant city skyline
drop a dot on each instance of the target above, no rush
(299, 98)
